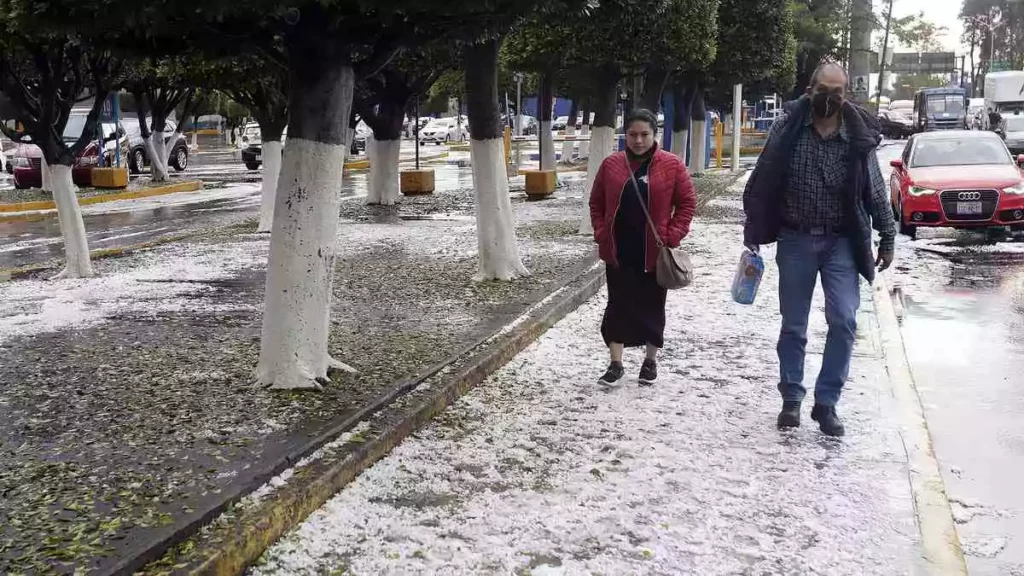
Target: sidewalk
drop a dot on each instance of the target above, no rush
(130, 418)
(541, 471)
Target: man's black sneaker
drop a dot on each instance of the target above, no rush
(613, 375)
(790, 415)
(648, 373)
(827, 420)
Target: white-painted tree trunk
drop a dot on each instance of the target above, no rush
(547, 144)
(44, 169)
(268, 194)
(568, 145)
(698, 146)
(155, 150)
(602, 140)
(495, 222)
(383, 182)
(293, 348)
(72, 226)
(584, 149)
(680, 140)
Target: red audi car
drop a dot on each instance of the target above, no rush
(27, 158)
(958, 179)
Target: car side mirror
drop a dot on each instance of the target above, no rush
(1020, 160)
(897, 163)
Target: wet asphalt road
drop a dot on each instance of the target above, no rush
(236, 199)
(964, 334)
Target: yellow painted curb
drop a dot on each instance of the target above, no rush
(939, 540)
(208, 132)
(190, 186)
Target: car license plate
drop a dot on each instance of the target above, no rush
(257, 155)
(968, 208)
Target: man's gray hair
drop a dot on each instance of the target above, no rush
(825, 66)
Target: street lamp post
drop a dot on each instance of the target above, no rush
(519, 104)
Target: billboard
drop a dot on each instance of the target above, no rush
(923, 63)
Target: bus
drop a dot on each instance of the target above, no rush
(940, 109)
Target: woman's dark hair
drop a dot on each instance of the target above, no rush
(642, 115)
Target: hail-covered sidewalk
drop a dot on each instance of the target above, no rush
(539, 470)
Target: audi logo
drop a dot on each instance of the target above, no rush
(969, 196)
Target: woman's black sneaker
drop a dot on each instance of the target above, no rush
(613, 375)
(648, 373)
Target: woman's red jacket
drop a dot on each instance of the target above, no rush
(672, 203)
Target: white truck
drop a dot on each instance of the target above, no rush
(1004, 92)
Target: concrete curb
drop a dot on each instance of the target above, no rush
(943, 553)
(230, 546)
(364, 164)
(189, 186)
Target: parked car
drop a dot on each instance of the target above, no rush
(530, 125)
(895, 124)
(957, 178)
(252, 140)
(27, 158)
(359, 140)
(138, 158)
(440, 131)
(1011, 130)
(559, 124)
(409, 127)
(7, 147)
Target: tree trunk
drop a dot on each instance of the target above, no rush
(383, 184)
(545, 101)
(602, 135)
(271, 130)
(156, 148)
(698, 141)
(654, 86)
(268, 194)
(72, 226)
(496, 231)
(44, 170)
(300, 271)
(584, 149)
(570, 130)
(682, 101)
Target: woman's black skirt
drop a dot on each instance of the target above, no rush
(635, 315)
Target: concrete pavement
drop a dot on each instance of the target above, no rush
(541, 471)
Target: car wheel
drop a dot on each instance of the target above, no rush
(252, 165)
(138, 162)
(180, 160)
(908, 230)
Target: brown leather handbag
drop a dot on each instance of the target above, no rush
(674, 268)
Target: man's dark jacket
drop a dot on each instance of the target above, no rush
(762, 199)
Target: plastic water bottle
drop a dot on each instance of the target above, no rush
(748, 277)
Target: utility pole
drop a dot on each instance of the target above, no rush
(882, 59)
(860, 49)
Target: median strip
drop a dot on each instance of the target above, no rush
(38, 206)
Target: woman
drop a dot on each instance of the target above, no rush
(635, 315)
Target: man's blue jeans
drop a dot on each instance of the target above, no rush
(801, 257)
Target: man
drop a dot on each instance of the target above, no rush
(816, 190)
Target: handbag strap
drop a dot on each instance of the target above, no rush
(636, 188)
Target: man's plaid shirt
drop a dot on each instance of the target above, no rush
(817, 173)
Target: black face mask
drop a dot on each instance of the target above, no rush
(826, 105)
